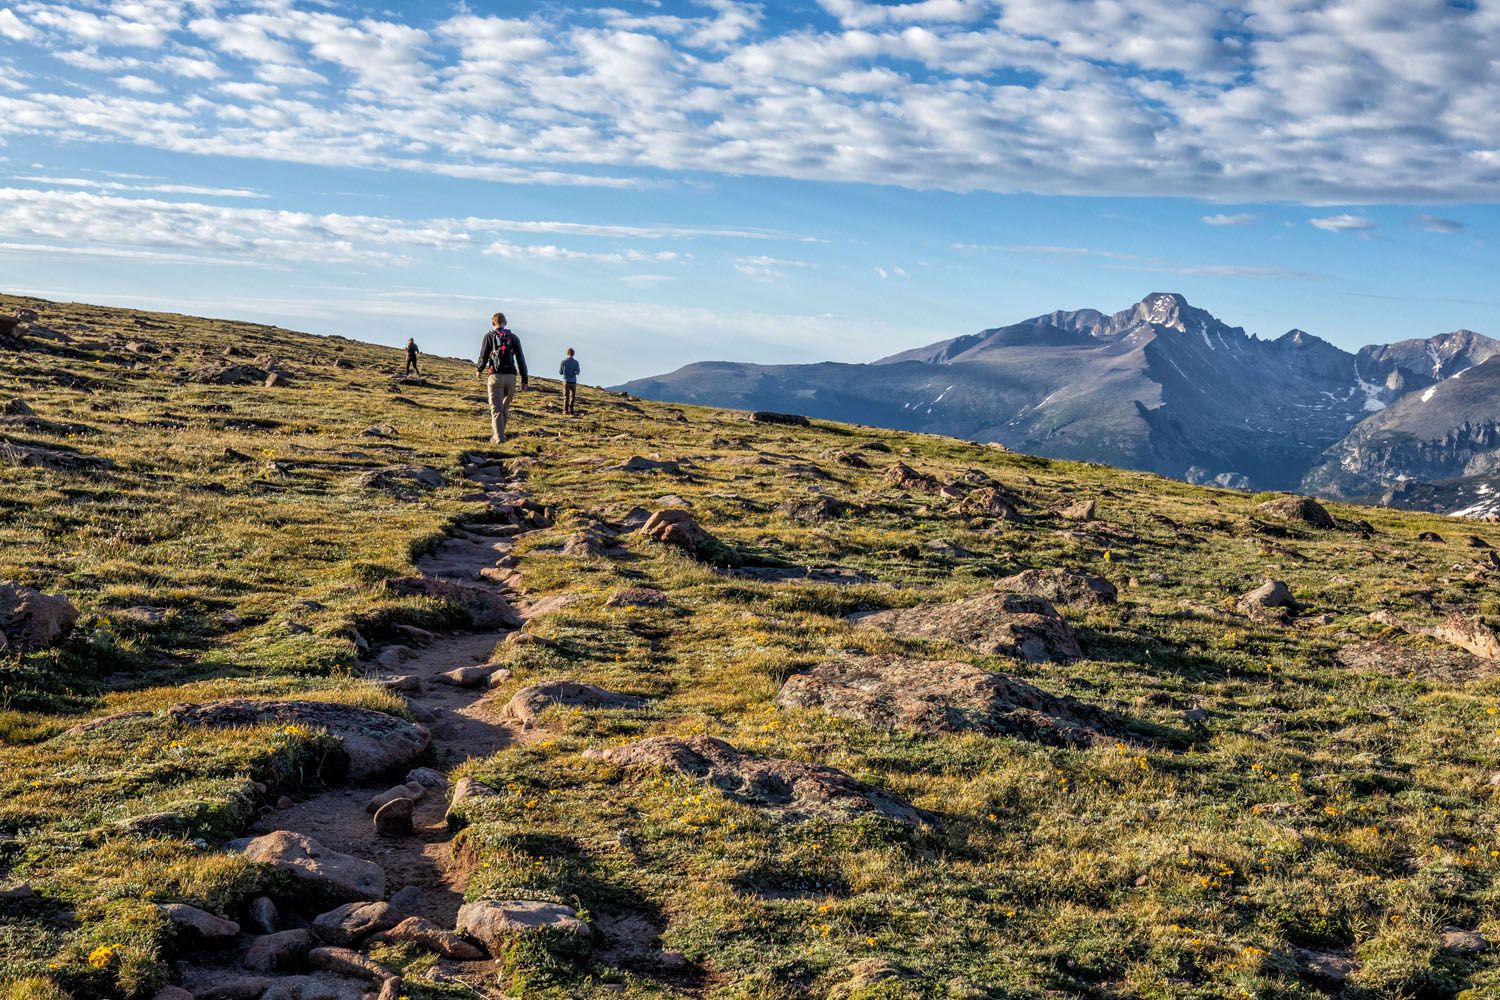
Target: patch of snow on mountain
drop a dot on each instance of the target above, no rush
(1428, 394)
(1437, 362)
(1371, 390)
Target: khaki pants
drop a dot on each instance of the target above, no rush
(502, 392)
(570, 397)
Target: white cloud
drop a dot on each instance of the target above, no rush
(1236, 219)
(1339, 102)
(548, 252)
(138, 84)
(151, 188)
(1437, 224)
(1345, 223)
(14, 28)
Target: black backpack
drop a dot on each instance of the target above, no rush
(500, 348)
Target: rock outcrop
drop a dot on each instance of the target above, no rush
(997, 623)
(1303, 510)
(894, 692)
(373, 742)
(1065, 586)
(323, 871)
(31, 620)
(496, 923)
(531, 701)
(794, 789)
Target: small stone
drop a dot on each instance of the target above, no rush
(1430, 536)
(404, 683)
(172, 993)
(468, 677)
(17, 892)
(408, 900)
(206, 924)
(411, 790)
(270, 952)
(284, 802)
(394, 818)
(348, 963)
(1196, 716)
(424, 933)
(466, 791)
(532, 700)
(346, 924)
(1462, 942)
(221, 987)
(426, 777)
(264, 916)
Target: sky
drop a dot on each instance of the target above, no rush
(656, 183)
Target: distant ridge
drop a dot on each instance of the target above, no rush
(1161, 385)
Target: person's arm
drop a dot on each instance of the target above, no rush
(562, 369)
(521, 361)
(484, 352)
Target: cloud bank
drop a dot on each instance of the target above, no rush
(1339, 101)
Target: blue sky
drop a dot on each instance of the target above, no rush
(658, 183)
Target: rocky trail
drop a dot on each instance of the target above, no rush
(294, 952)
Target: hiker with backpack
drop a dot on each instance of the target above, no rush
(501, 360)
(411, 356)
(569, 371)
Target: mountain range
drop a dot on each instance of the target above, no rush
(1167, 387)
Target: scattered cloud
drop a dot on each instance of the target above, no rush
(886, 273)
(201, 191)
(1437, 224)
(14, 28)
(1142, 95)
(1236, 219)
(763, 268)
(1345, 223)
(547, 252)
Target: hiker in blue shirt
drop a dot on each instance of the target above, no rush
(569, 371)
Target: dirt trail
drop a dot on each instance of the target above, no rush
(464, 723)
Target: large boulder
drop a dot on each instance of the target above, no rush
(496, 923)
(991, 501)
(533, 700)
(996, 623)
(1305, 510)
(1064, 585)
(30, 619)
(486, 608)
(638, 463)
(796, 789)
(907, 478)
(1469, 633)
(324, 871)
(1271, 598)
(676, 527)
(348, 924)
(374, 742)
(784, 419)
(894, 692)
(202, 923)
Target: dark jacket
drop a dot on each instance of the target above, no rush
(569, 370)
(411, 350)
(512, 362)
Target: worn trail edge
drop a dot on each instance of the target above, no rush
(421, 877)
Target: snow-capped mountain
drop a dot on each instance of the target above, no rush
(1161, 385)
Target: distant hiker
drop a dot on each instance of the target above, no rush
(500, 359)
(411, 357)
(569, 371)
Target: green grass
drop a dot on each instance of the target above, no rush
(1324, 807)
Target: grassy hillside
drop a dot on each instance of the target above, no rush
(1312, 835)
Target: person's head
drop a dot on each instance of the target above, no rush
(497, 320)
(570, 352)
(411, 340)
